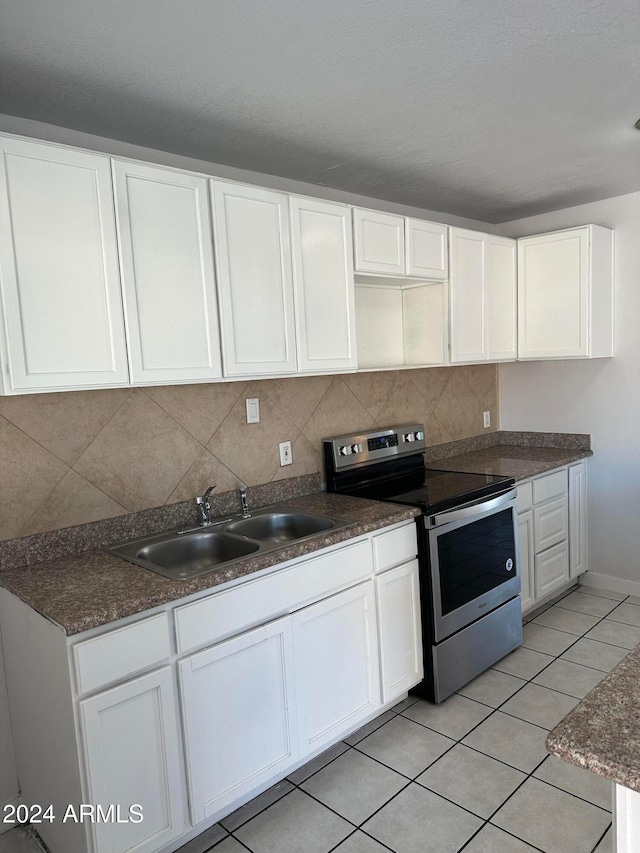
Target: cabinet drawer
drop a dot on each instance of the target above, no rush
(550, 486)
(550, 524)
(121, 653)
(253, 602)
(524, 496)
(395, 547)
(551, 569)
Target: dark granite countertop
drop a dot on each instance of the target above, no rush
(512, 460)
(602, 733)
(93, 587)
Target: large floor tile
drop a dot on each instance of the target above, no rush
(603, 593)
(540, 706)
(523, 663)
(354, 785)
(490, 839)
(19, 840)
(455, 717)
(229, 845)
(317, 763)
(633, 599)
(255, 806)
(551, 819)
(492, 687)
(576, 780)
(203, 842)
(368, 728)
(405, 746)
(418, 820)
(508, 739)
(566, 620)
(616, 633)
(593, 605)
(567, 677)
(296, 822)
(546, 640)
(627, 613)
(360, 843)
(472, 779)
(602, 656)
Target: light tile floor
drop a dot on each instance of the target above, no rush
(471, 774)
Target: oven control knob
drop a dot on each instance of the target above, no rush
(409, 436)
(356, 448)
(345, 450)
(419, 435)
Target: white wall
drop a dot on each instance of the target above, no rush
(601, 397)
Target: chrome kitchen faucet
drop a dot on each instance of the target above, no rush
(244, 501)
(204, 508)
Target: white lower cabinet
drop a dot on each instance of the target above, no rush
(336, 662)
(258, 676)
(398, 600)
(239, 713)
(553, 531)
(525, 530)
(131, 742)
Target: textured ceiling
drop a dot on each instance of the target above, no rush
(491, 109)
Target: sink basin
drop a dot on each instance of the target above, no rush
(180, 557)
(194, 552)
(280, 526)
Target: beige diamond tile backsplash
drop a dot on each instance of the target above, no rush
(70, 458)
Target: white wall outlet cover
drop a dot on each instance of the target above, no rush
(286, 457)
(253, 410)
(487, 419)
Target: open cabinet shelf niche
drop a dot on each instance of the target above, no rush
(400, 323)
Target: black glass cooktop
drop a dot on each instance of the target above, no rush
(433, 491)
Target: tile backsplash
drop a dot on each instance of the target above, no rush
(82, 456)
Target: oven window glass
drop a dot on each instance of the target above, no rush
(476, 558)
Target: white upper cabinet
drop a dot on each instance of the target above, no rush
(60, 284)
(565, 294)
(255, 285)
(386, 244)
(378, 242)
(324, 290)
(482, 299)
(427, 250)
(164, 229)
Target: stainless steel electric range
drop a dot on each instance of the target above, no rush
(467, 548)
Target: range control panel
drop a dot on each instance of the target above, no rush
(345, 451)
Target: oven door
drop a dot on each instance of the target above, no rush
(473, 561)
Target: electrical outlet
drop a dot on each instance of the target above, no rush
(285, 453)
(253, 410)
(487, 419)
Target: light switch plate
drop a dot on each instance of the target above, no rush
(253, 410)
(487, 419)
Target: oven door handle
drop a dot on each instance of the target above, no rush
(475, 508)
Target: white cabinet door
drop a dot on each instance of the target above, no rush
(166, 248)
(427, 249)
(132, 752)
(467, 296)
(552, 295)
(551, 569)
(253, 257)
(525, 530)
(60, 283)
(399, 629)
(239, 713)
(336, 664)
(500, 298)
(565, 294)
(322, 245)
(378, 242)
(550, 523)
(578, 539)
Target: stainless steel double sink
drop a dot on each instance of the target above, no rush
(180, 555)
